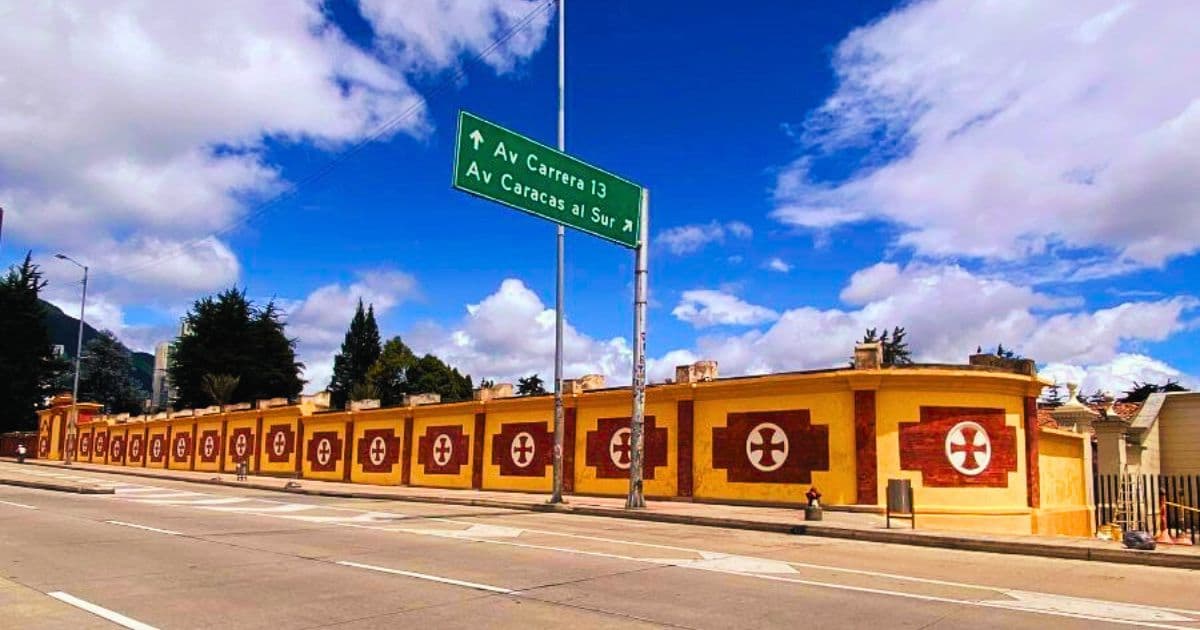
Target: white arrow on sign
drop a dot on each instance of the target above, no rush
(477, 138)
(628, 225)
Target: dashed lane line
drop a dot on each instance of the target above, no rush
(100, 611)
(145, 527)
(20, 505)
(432, 578)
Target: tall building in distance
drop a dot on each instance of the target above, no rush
(161, 394)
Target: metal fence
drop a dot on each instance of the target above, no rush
(1150, 502)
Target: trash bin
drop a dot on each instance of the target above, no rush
(900, 501)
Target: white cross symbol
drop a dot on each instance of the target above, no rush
(279, 443)
(968, 448)
(181, 447)
(324, 451)
(443, 448)
(84, 445)
(522, 449)
(378, 450)
(764, 441)
(619, 448)
(156, 447)
(208, 446)
(116, 447)
(134, 447)
(239, 444)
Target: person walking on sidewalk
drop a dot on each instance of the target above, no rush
(21, 453)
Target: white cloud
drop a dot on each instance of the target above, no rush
(510, 334)
(704, 307)
(1026, 129)
(1116, 375)
(777, 264)
(687, 239)
(132, 129)
(947, 312)
(319, 322)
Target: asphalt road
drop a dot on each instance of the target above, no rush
(176, 555)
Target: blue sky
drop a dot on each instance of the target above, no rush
(813, 170)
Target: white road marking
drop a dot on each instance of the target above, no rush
(254, 509)
(113, 616)
(1040, 602)
(20, 505)
(432, 578)
(190, 501)
(145, 527)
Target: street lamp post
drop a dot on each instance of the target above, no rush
(72, 421)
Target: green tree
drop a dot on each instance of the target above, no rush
(895, 347)
(1053, 396)
(1141, 391)
(228, 334)
(360, 350)
(28, 367)
(531, 386)
(389, 374)
(220, 387)
(431, 374)
(107, 375)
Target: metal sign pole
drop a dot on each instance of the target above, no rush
(557, 494)
(636, 499)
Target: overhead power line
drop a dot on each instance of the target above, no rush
(383, 130)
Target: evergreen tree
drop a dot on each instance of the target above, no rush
(430, 374)
(227, 334)
(107, 376)
(895, 348)
(360, 350)
(389, 374)
(28, 367)
(1141, 391)
(531, 386)
(1054, 397)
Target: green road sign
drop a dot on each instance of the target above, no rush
(508, 168)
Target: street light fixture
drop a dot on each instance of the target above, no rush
(73, 420)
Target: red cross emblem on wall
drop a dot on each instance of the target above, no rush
(158, 445)
(183, 447)
(960, 446)
(210, 446)
(135, 448)
(443, 450)
(608, 448)
(324, 451)
(85, 445)
(101, 446)
(522, 449)
(114, 452)
(241, 443)
(379, 450)
(771, 447)
(280, 441)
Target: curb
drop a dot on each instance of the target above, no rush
(895, 537)
(56, 487)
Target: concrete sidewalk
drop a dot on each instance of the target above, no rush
(848, 525)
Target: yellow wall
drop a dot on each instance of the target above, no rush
(660, 404)
(234, 421)
(1179, 434)
(157, 428)
(325, 423)
(286, 416)
(899, 399)
(1063, 466)
(829, 402)
(391, 418)
(532, 409)
(463, 415)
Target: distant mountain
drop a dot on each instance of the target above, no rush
(64, 331)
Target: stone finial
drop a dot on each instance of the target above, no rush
(267, 403)
(413, 400)
(697, 372)
(319, 400)
(868, 356)
(498, 390)
(583, 383)
(363, 405)
(1074, 413)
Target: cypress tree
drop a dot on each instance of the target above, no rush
(28, 367)
(360, 350)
